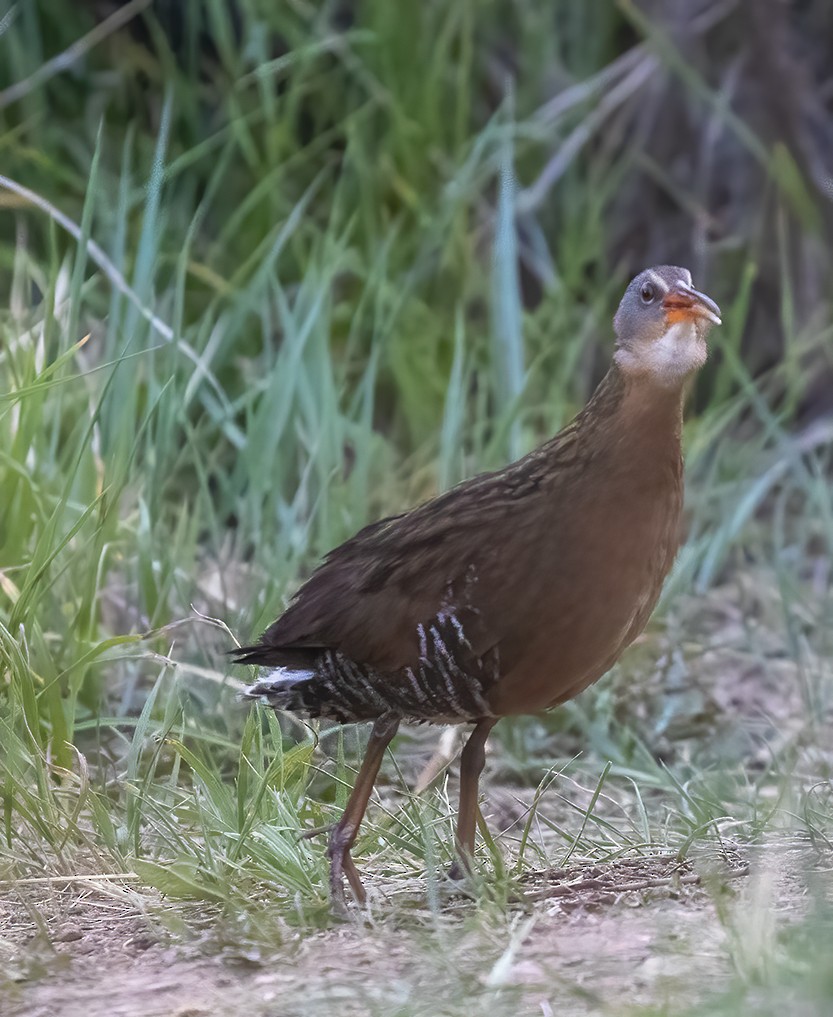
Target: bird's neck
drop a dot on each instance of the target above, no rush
(629, 428)
(632, 411)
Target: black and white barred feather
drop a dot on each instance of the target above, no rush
(447, 683)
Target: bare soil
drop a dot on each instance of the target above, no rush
(585, 938)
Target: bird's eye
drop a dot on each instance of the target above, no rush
(647, 293)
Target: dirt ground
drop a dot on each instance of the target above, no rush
(586, 939)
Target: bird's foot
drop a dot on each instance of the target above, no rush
(456, 873)
(459, 869)
(341, 866)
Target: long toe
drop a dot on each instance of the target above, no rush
(352, 874)
(316, 831)
(338, 904)
(341, 866)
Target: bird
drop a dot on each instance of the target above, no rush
(514, 590)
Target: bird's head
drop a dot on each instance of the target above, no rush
(661, 326)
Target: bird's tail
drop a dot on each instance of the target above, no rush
(253, 654)
(286, 689)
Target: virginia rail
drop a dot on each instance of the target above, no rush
(516, 589)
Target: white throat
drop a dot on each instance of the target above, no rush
(669, 360)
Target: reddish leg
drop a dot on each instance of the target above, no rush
(344, 832)
(471, 766)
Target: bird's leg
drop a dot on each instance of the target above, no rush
(471, 766)
(344, 832)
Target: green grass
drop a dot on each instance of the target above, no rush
(258, 298)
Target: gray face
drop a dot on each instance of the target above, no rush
(661, 325)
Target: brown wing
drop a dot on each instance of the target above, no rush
(371, 593)
(458, 552)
